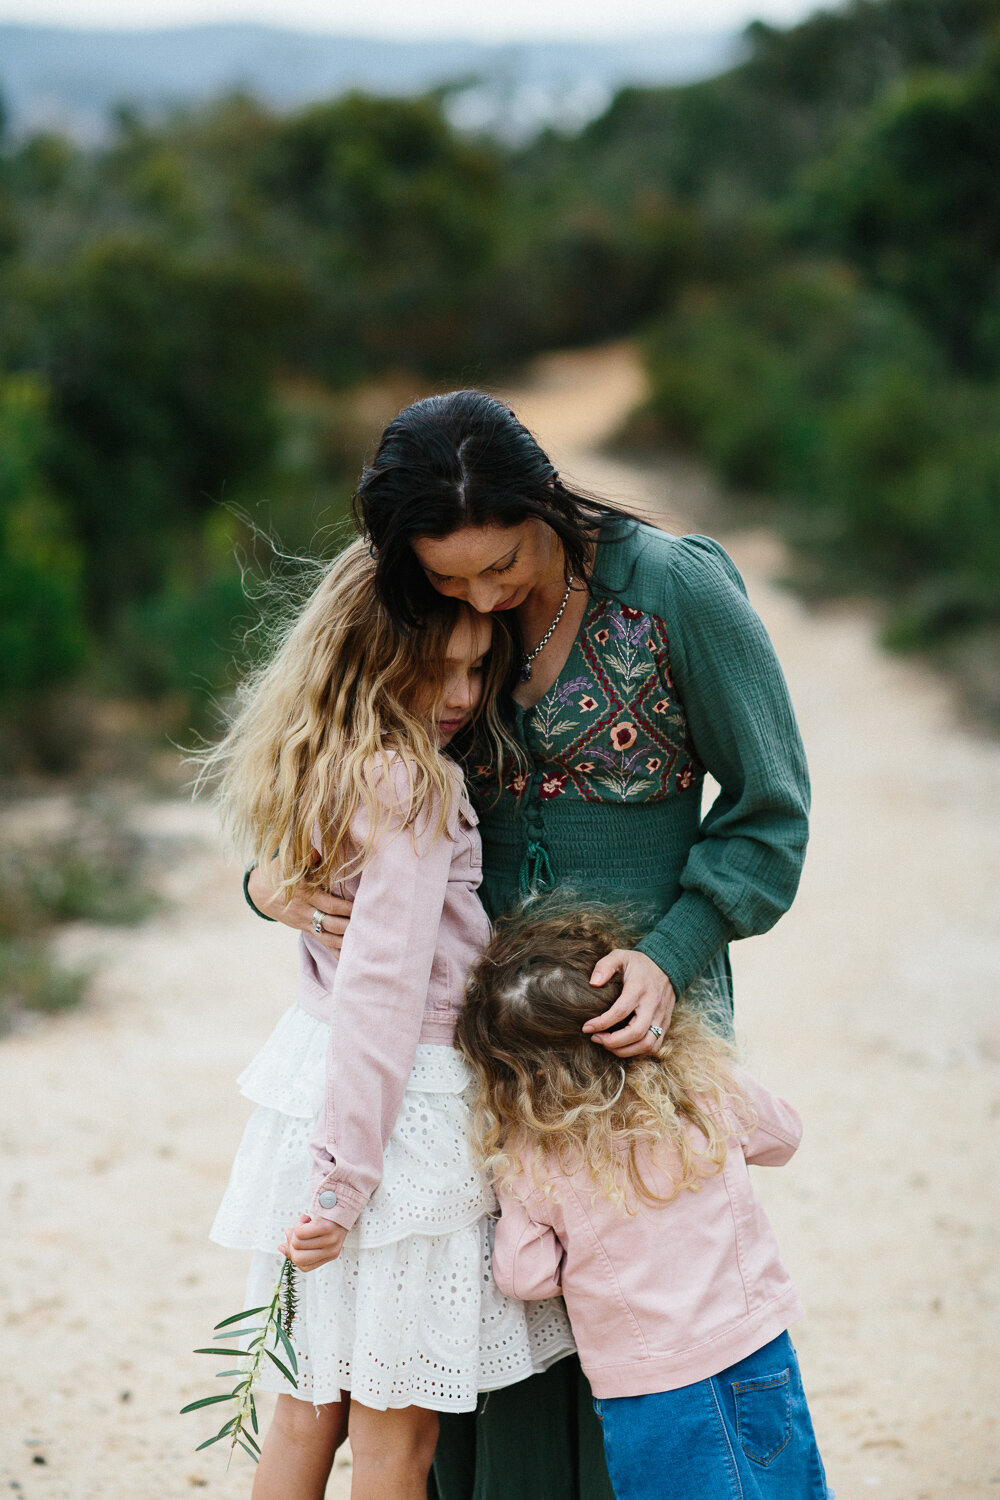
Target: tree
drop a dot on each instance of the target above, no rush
(42, 635)
(913, 199)
(395, 218)
(159, 369)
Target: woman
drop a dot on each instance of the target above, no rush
(643, 666)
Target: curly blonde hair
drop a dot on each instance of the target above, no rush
(547, 1095)
(313, 728)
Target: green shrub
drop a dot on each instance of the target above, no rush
(43, 639)
(750, 373)
(93, 871)
(912, 197)
(181, 640)
(816, 390)
(32, 980)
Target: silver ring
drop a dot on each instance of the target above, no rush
(657, 1031)
(317, 921)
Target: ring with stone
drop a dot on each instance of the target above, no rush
(657, 1031)
(317, 921)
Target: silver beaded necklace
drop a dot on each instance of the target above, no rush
(529, 656)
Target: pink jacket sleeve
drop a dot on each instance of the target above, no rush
(778, 1131)
(379, 994)
(527, 1256)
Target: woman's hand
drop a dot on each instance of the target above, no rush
(646, 992)
(298, 912)
(312, 1242)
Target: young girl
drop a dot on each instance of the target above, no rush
(624, 1187)
(357, 1163)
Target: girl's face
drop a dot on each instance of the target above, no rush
(492, 568)
(463, 685)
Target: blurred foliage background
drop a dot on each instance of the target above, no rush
(807, 246)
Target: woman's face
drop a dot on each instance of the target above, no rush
(463, 685)
(492, 568)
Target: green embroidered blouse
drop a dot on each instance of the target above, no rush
(672, 674)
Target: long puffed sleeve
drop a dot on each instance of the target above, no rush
(743, 870)
(379, 994)
(527, 1255)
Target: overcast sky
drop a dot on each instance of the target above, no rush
(500, 21)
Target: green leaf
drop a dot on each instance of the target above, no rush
(221, 1374)
(251, 1312)
(207, 1401)
(209, 1441)
(288, 1347)
(252, 1441)
(252, 1454)
(253, 1413)
(224, 1431)
(232, 1353)
(241, 1333)
(286, 1372)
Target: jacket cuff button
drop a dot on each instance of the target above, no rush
(328, 1200)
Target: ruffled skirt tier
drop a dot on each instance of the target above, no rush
(409, 1313)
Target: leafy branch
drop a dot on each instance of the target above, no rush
(275, 1330)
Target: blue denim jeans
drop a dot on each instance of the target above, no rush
(744, 1434)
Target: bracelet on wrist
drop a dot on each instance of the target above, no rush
(249, 899)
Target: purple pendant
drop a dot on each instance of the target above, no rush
(526, 673)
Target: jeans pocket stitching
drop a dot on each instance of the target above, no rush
(780, 1381)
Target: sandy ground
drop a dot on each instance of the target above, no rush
(872, 1005)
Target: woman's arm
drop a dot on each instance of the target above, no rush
(261, 891)
(743, 870)
(378, 1005)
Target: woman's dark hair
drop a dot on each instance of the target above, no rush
(462, 459)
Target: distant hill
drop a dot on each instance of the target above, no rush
(55, 78)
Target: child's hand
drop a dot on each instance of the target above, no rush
(647, 995)
(312, 1242)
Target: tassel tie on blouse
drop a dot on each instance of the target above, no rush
(536, 869)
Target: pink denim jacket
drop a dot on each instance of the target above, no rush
(416, 928)
(673, 1294)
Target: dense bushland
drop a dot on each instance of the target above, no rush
(847, 357)
(808, 246)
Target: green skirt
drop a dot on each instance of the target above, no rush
(538, 1440)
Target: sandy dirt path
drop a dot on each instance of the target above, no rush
(872, 1005)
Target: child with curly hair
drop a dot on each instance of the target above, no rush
(624, 1187)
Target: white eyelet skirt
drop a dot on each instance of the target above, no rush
(409, 1313)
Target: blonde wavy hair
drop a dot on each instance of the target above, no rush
(546, 1094)
(314, 726)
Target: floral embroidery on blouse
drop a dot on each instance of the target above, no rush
(611, 728)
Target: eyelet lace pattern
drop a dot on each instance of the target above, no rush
(409, 1314)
